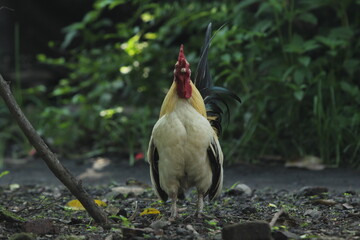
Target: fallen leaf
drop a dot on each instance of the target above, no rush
(14, 186)
(150, 211)
(240, 189)
(328, 202)
(312, 191)
(76, 204)
(309, 162)
(313, 213)
(272, 205)
(347, 206)
(124, 190)
(4, 173)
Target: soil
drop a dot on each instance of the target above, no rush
(301, 204)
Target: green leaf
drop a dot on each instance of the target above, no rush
(299, 76)
(68, 39)
(310, 45)
(4, 173)
(296, 45)
(264, 8)
(304, 60)
(350, 89)
(308, 18)
(41, 57)
(344, 33)
(150, 36)
(91, 16)
(212, 222)
(100, 4)
(276, 5)
(147, 17)
(351, 65)
(226, 58)
(299, 95)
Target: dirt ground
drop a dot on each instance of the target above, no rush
(107, 170)
(301, 204)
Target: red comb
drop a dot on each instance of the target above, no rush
(181, 53)
(182, 74)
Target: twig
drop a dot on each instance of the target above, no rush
(74, 186)
(133, 216)
(276, 217)
(7, 8)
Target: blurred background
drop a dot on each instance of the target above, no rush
(91, 75)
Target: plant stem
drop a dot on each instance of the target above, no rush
(17, 65)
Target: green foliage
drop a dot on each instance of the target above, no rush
(4, 173)
(293, 61)
(294, 64)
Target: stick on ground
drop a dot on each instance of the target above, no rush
(276, 217)
(74, 186)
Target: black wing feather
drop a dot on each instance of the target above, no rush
(154, 163)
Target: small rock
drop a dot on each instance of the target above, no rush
(71, 237)
(240, 189)
(56, 192)
(191, 228)
(247, 231)
(338, 207)
(311, 191)
(131, 233)
(313, 213)
(181, 231)
(113, 236)
(40, 226)
(249, 210)
(114, 210)
(159, 224)
(355, 225)
(284, 235)
(109, 237)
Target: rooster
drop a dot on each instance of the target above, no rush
(184, 150)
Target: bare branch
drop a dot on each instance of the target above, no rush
(74, 186)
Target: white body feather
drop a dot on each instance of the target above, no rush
(182, 138)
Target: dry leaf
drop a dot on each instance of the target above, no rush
(136, 190)
(328, 202)
(272, 205)
(150, 211)
(308, 162)
(76, 204)
(347, 206)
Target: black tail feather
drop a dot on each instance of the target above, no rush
(215, 98)
(203, 77)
